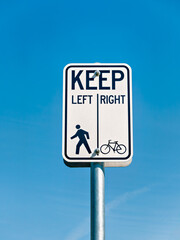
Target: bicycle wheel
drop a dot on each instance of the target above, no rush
(105, 149)
(121, 149)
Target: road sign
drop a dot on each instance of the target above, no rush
(97, 115)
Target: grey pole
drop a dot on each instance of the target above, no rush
(97, 202)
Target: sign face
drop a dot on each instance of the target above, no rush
(97, 115)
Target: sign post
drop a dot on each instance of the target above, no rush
(97, 126)
(97, 202)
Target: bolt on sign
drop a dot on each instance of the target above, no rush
(97, 115)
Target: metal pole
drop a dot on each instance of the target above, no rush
(97, 202)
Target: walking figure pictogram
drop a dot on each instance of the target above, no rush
(82, 135)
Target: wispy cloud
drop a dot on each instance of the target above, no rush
(83, 228)
(124, 197)
(80, 231)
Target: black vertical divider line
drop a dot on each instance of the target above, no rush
(97, 120)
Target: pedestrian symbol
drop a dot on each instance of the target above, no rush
(82, 135)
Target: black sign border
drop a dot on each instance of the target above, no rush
(84, 164)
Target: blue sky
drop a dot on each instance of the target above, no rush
(41, 198)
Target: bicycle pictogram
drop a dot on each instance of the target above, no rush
(119, 148)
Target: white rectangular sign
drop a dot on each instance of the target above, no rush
(97, 114)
